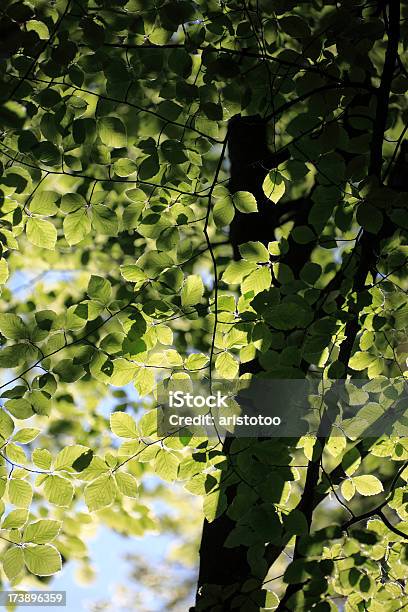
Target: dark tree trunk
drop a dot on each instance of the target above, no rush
(250, 159)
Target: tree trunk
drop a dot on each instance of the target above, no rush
(251, 160)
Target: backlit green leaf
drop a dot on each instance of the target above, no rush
(42, 531)
(274, 186)
(100, 492)
(112, 132)
(42, 560)
(123, 425)
(245, 201)
(367, 485)
(41, 233)
(192, 290)
(13, 562)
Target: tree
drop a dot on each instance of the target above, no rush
(223, 186)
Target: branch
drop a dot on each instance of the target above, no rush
(368, 241)
(367, 258)
(77, 340)
(42, 49)
(102, 180)
(284, 107)
(210, 248)
(391, 526)
(245, 53)
(100, 96)
(376, 512)
(383, 92)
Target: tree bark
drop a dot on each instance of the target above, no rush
(250, 160)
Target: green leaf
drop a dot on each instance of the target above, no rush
(257, 281)
(77, 226)
(42, 458)
(295, 26)
(13, 562)
(271, 601)
(223, 211)
(67, 371)
(13, 326)
(15, 453)
(41, 233)
(99, 288)
(124, 372)
(226, 365)
(336, 443)
(348, 489)
(48, 153)
(368, 485)
(133, 273)
(44, 203)
(39, 27)
(236, 271)
(42, 560)
(20, 408)
(245, 201)
(173, 151)
(4, 271)
(370, 217)
(123, 425)
(144, 381)
(68, 455)
(132, 212)
(101, 367)
(274, 186)
(136, 195)
(361, 360)
(83, 461)
(104, 220)
(192, 290)
(166, 465)
(124, 166)
(15, 519)
(58, 490)
(254, 251)
(154, 263)
(26, 435)
(295, 523)
(196, 361)
(127, 484)
(42, 531)
(351, 461)
(20, 492)
(149, 167)
(164, 334)
(214, 505)
(296, 572)
(11, 356)
(6, 425)
(310, 273)
(303, 234)
(112, 132)
(100, 492)
(72, 202)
